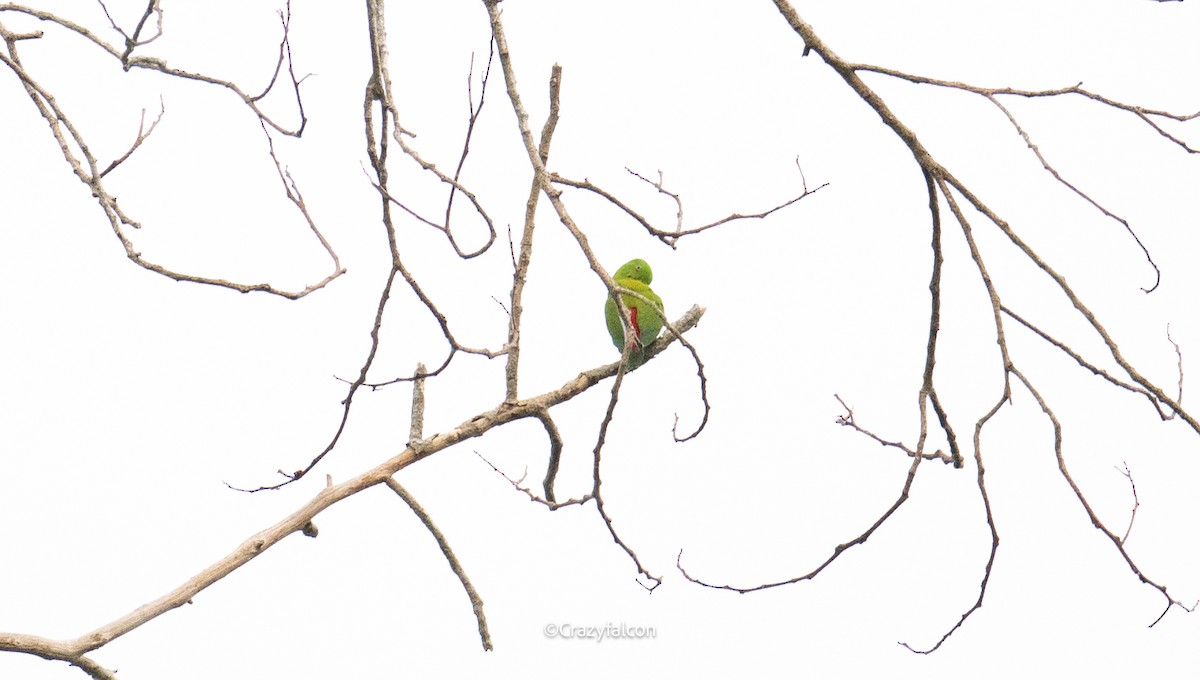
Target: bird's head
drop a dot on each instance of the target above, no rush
(637, 269)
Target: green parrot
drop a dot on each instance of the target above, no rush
(645, 319)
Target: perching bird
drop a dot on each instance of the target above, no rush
(644, 318)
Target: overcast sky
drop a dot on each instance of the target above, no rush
(128, 401)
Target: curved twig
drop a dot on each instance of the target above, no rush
(485, 637)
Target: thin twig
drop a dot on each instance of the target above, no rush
(847, 420)
(671, 237)
(517, 484)
(1136, 504)
(837, 551)
(142, 133)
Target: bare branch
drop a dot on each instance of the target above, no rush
(1179, 365)
(847, 420)
(333, 493)
(991, 523)
(416, 421)
(1087, 507)
(674, 196)
(474, 111)
(703, 391)
(1133, 491)
(517, 484)
(837, 551)
(521, 263)
(1078, 192)
(939, 182)
(556, 449)
(142, 134)
(655, 581)
(83, 163)
(454, 185)
(485, 637)
(135, 40)
(155, 64)
(54, 650)
(671, 237)
(346, 402)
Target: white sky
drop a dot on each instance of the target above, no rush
(126, 399)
